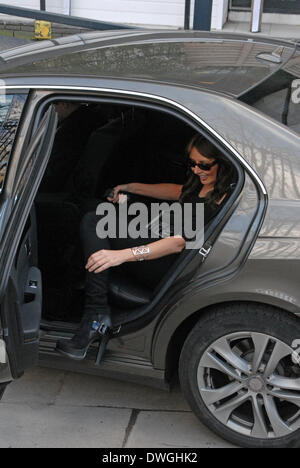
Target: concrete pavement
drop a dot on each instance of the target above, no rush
(51, 408)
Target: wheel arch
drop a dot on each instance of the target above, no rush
(174, 346)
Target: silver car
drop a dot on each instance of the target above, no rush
(226, 317)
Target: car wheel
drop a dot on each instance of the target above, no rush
(241, 375)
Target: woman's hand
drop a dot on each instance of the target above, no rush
(117, 195)
(104, 259)
(160, 191)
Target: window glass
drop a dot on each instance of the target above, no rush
(270, 6)
(281, 6)
(240, 4)
(11, 106)
(279, 96)
(229, 66)
(281, 106)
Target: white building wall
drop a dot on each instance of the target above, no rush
(219, 14)
(143, 12)
(168, 13)
(57, 6)
(54, 6)
(24, 3)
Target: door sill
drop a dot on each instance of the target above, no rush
(116, 365)
(58, 326)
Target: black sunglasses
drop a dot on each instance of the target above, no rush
(203, 167)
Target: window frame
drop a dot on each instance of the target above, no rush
(268, 9)
(9, 157)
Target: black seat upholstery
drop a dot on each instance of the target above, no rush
(58, 244)
(110, 156)
(125, 293)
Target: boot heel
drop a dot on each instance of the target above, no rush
(88, 332)
(101, 349)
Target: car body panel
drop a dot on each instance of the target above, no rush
(141, 346)
(141, 342)
(258, 144)
(192, 58)
(257, 282)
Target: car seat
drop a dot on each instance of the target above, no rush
(110, 156)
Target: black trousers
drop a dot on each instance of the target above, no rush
(147, 273)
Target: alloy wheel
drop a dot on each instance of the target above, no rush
(251, 384)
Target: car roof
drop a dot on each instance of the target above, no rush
(226, 63)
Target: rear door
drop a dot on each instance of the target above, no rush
(20, 278)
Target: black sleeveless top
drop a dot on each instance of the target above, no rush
(166, 226)
(211, 209)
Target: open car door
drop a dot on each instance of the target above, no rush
(20, 279)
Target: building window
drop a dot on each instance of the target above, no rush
(282, 6)
(240, 4)
(270, 6)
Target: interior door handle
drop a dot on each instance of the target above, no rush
(28, 248)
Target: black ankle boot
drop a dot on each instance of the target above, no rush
(93, 327)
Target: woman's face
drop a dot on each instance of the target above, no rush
(207, 178)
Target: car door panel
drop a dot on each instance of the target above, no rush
(234, 243)
(233, 246)
(21, 308)
(20, 278)
(28, 282)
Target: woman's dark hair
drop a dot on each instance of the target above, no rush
(225, 176)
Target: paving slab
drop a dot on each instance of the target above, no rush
(38, 386)
(172, 430)
(22, 426)
(292, 32)
(78, 390)
(52, 408)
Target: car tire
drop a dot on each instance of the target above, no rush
(235, 369)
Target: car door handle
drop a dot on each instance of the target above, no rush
(28, 248)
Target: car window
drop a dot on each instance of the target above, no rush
(230, 66)
(279, 97)
(11, 106)
(282, 106)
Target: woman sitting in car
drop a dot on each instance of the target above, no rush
(209, 183)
